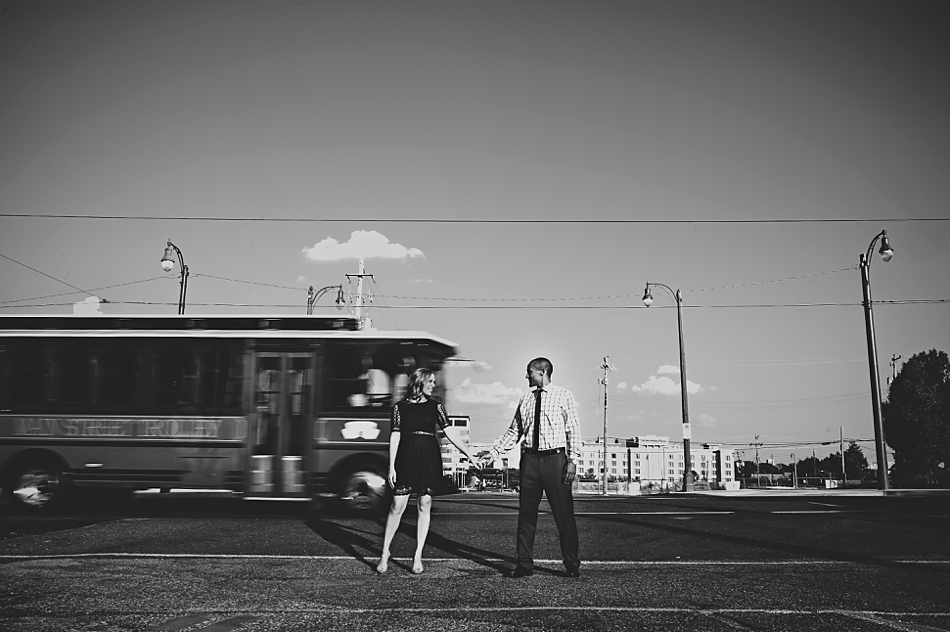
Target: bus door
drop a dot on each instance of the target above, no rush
(279, 433)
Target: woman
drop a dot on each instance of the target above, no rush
(415, 459)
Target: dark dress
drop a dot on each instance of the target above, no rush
(419, 456)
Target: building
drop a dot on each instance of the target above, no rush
(654, 461)
(452, 460)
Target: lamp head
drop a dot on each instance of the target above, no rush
(886, 251)
(168, 261)
(647, 297)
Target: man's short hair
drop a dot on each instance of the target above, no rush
(542, 363)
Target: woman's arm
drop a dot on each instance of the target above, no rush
(393, 450)
(452, 434)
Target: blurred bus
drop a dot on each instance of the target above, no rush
(284, 407)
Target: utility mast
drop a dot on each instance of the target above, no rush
(894, 358)
(606, 367)
(363, 323)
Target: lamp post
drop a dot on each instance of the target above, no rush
(312, 296)
(886, 253)
(794, 472)
(678, 297)
(168, 263)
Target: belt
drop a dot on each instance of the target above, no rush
(423, 432)
(543, 452)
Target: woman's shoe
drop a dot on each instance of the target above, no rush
(383, 565)
(417, 567)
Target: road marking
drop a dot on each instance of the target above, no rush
(514, 512)
(585, 563)
(874, 617)
(816, 511)
(869, 614)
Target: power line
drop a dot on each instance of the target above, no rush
(79, 289)
(446, 220)
(95, 289)
(523, 307)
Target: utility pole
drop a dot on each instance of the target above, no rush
(363, 324)
(844, 472)
(794, 472)
(894, 358)
(606, 367)
(757, 443)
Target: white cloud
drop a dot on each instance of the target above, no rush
(668, 368)
(421, 281)
(657, 386)
(87, 307)
(362, 243)
(621, 386)
(476, 365)
(704, 420)
(665, 386)
(495, 393)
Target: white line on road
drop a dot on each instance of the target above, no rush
(586, 563)
(547, 608)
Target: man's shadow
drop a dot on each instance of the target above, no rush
(365, 545)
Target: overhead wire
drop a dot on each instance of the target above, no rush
(450, 220)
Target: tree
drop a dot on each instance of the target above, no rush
(855, 462)
(916, 419)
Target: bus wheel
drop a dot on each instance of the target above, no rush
(36, 484)
(363, 491)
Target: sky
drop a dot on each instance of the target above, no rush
(513, 174)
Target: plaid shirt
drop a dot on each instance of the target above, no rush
(559, 428)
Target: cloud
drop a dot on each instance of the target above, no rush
(657, 386)
(704, 420)
(668, 368)
(621, 386)
(665, 386)
(362, 243)
(421, 281)
(496, 393)
(87, 307)
(477, 365)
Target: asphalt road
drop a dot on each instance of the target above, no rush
(686, 562)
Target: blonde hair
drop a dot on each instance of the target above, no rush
(418, 378)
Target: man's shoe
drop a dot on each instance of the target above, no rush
(522, 572)
(572, 572)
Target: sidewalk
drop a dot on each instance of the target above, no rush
(788, 491)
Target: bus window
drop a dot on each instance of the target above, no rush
(347, 366)
(379, 389)
(74, 371)
(29, 372)
(117, 375)
(176, 378)
(222, 375)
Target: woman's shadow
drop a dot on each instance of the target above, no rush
(364, 544)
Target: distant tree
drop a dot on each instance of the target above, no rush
(855, 462)
(831, 464)
(916, 419)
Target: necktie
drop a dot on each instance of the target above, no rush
(537, 418)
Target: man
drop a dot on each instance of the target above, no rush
(550, 450)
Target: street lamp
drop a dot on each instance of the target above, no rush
(313, 296)
(168, 263)
(678, 297)
(794, 472)
(886, 253)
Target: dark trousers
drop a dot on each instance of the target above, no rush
(545, 474)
